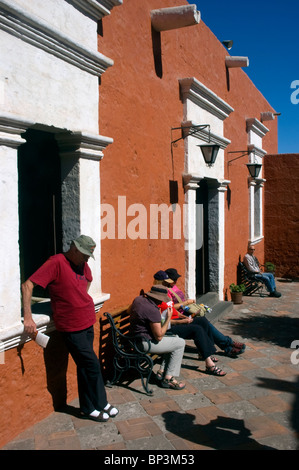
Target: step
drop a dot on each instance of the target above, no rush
(219, 307)
(219, 310)
(210, 299)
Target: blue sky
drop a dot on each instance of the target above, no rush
(265, 31)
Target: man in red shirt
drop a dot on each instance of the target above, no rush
(68, 277)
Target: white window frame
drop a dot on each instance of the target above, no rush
(256, 131)
(202, 106)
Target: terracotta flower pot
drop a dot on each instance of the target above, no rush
(237, 297)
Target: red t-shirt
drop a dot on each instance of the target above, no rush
(72, 306)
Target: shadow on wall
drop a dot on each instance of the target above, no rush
(157, 52)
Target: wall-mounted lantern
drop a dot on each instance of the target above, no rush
(253, 168)
(209, 151)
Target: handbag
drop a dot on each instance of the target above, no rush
(195, 310)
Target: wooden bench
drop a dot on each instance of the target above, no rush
(252, 285)
(127, 351)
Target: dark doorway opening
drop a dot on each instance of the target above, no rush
(40, 214)
(202, 245)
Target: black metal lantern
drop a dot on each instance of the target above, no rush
(254, 169)
(210, 153)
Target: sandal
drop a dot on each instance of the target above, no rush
(159, 375)
(214, 370)
(173, 384)
(109, 411)
(100, 418)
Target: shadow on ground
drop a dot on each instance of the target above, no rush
(222, 433)
(281, 331)
(287, 387)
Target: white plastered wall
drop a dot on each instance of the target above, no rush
(202, 106)
(49, 74)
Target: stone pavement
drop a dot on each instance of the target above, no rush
(254, 407)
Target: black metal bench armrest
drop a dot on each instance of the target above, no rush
(130, 353)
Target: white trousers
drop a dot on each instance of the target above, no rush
(171, 348)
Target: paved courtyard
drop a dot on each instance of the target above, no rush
(254, 407)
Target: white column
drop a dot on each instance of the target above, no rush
(222, 190)
(10, 296)
(190, 232)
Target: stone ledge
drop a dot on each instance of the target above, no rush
(14, 336)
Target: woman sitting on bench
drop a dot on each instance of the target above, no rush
(145, 321)
(230, 347)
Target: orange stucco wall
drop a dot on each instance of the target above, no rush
(33, 382)
(138, 106)
(282, 213)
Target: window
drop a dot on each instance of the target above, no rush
(257, 212)
(256, 131)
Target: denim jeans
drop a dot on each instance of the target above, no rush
(268, 279)
(222, 341)
(203, 343)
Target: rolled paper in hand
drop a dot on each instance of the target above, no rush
(41, 339)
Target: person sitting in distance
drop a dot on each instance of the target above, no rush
(252, 265)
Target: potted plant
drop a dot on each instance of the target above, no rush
(236, 292)
(270, 267)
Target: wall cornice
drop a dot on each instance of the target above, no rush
(205, 98)
(31, 29)
(11, 128)
(254, 125)
(204, 134)
(82, 145)
(96, 9)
